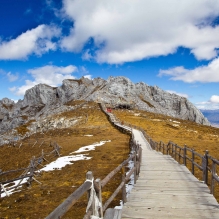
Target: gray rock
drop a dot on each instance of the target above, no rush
(43, 100)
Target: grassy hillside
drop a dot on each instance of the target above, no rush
(164, 128)
(59, 184)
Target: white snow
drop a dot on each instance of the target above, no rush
(63, 161)
(15, 183)
(130, 184)
(120, 206)
(90, 147)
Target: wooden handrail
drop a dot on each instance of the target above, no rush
(116, 170)
(70, 201)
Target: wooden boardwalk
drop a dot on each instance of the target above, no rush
(166, 189)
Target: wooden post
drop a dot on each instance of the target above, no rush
(213, 171)
(167, 150)
(89, 176)
(124, 198)
(205, 167)
(172, 145)
(179, 155)
(31, 170)
(99, 194)
(184, 155)
(175, 150)
(193, 159)
(140, 156)
(135, 177)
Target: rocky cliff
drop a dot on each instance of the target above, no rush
(43, 100)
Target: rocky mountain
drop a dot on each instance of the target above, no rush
(43, 100)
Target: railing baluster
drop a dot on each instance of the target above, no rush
(99, 194)
(184, 155)
(193, 159)
(213, 171)
(135, 175)
(206, 167)
(124, 198)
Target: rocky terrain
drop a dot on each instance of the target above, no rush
(42, 101)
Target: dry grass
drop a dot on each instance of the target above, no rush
(23, 129)
(40, 200)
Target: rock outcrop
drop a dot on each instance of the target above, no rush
(43, 100)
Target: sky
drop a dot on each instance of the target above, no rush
(172, 44)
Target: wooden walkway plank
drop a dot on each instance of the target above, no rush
(166, 189)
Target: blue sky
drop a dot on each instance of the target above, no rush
(172, 44)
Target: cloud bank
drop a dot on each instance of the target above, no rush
(127, 30)
(37, 41)
(212, 103)
(204, 74)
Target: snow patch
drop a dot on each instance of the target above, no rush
(63, 161)
(10, 189)
(90, 147)
(130, 184)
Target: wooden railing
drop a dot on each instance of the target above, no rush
(206, 164)
(94, 187)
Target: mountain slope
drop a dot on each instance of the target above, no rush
(43, 100)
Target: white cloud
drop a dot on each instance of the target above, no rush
(179, 94)
(214, 99)
(88, 76)
(37, 41)
(84, 70)
(127, 30)
(49, 74)
(86, 55)
(212, 103)
(208, 73)
(12, 77)
(13, 89)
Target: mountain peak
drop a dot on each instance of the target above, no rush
(40, 100)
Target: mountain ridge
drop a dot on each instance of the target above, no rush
(43, 100)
